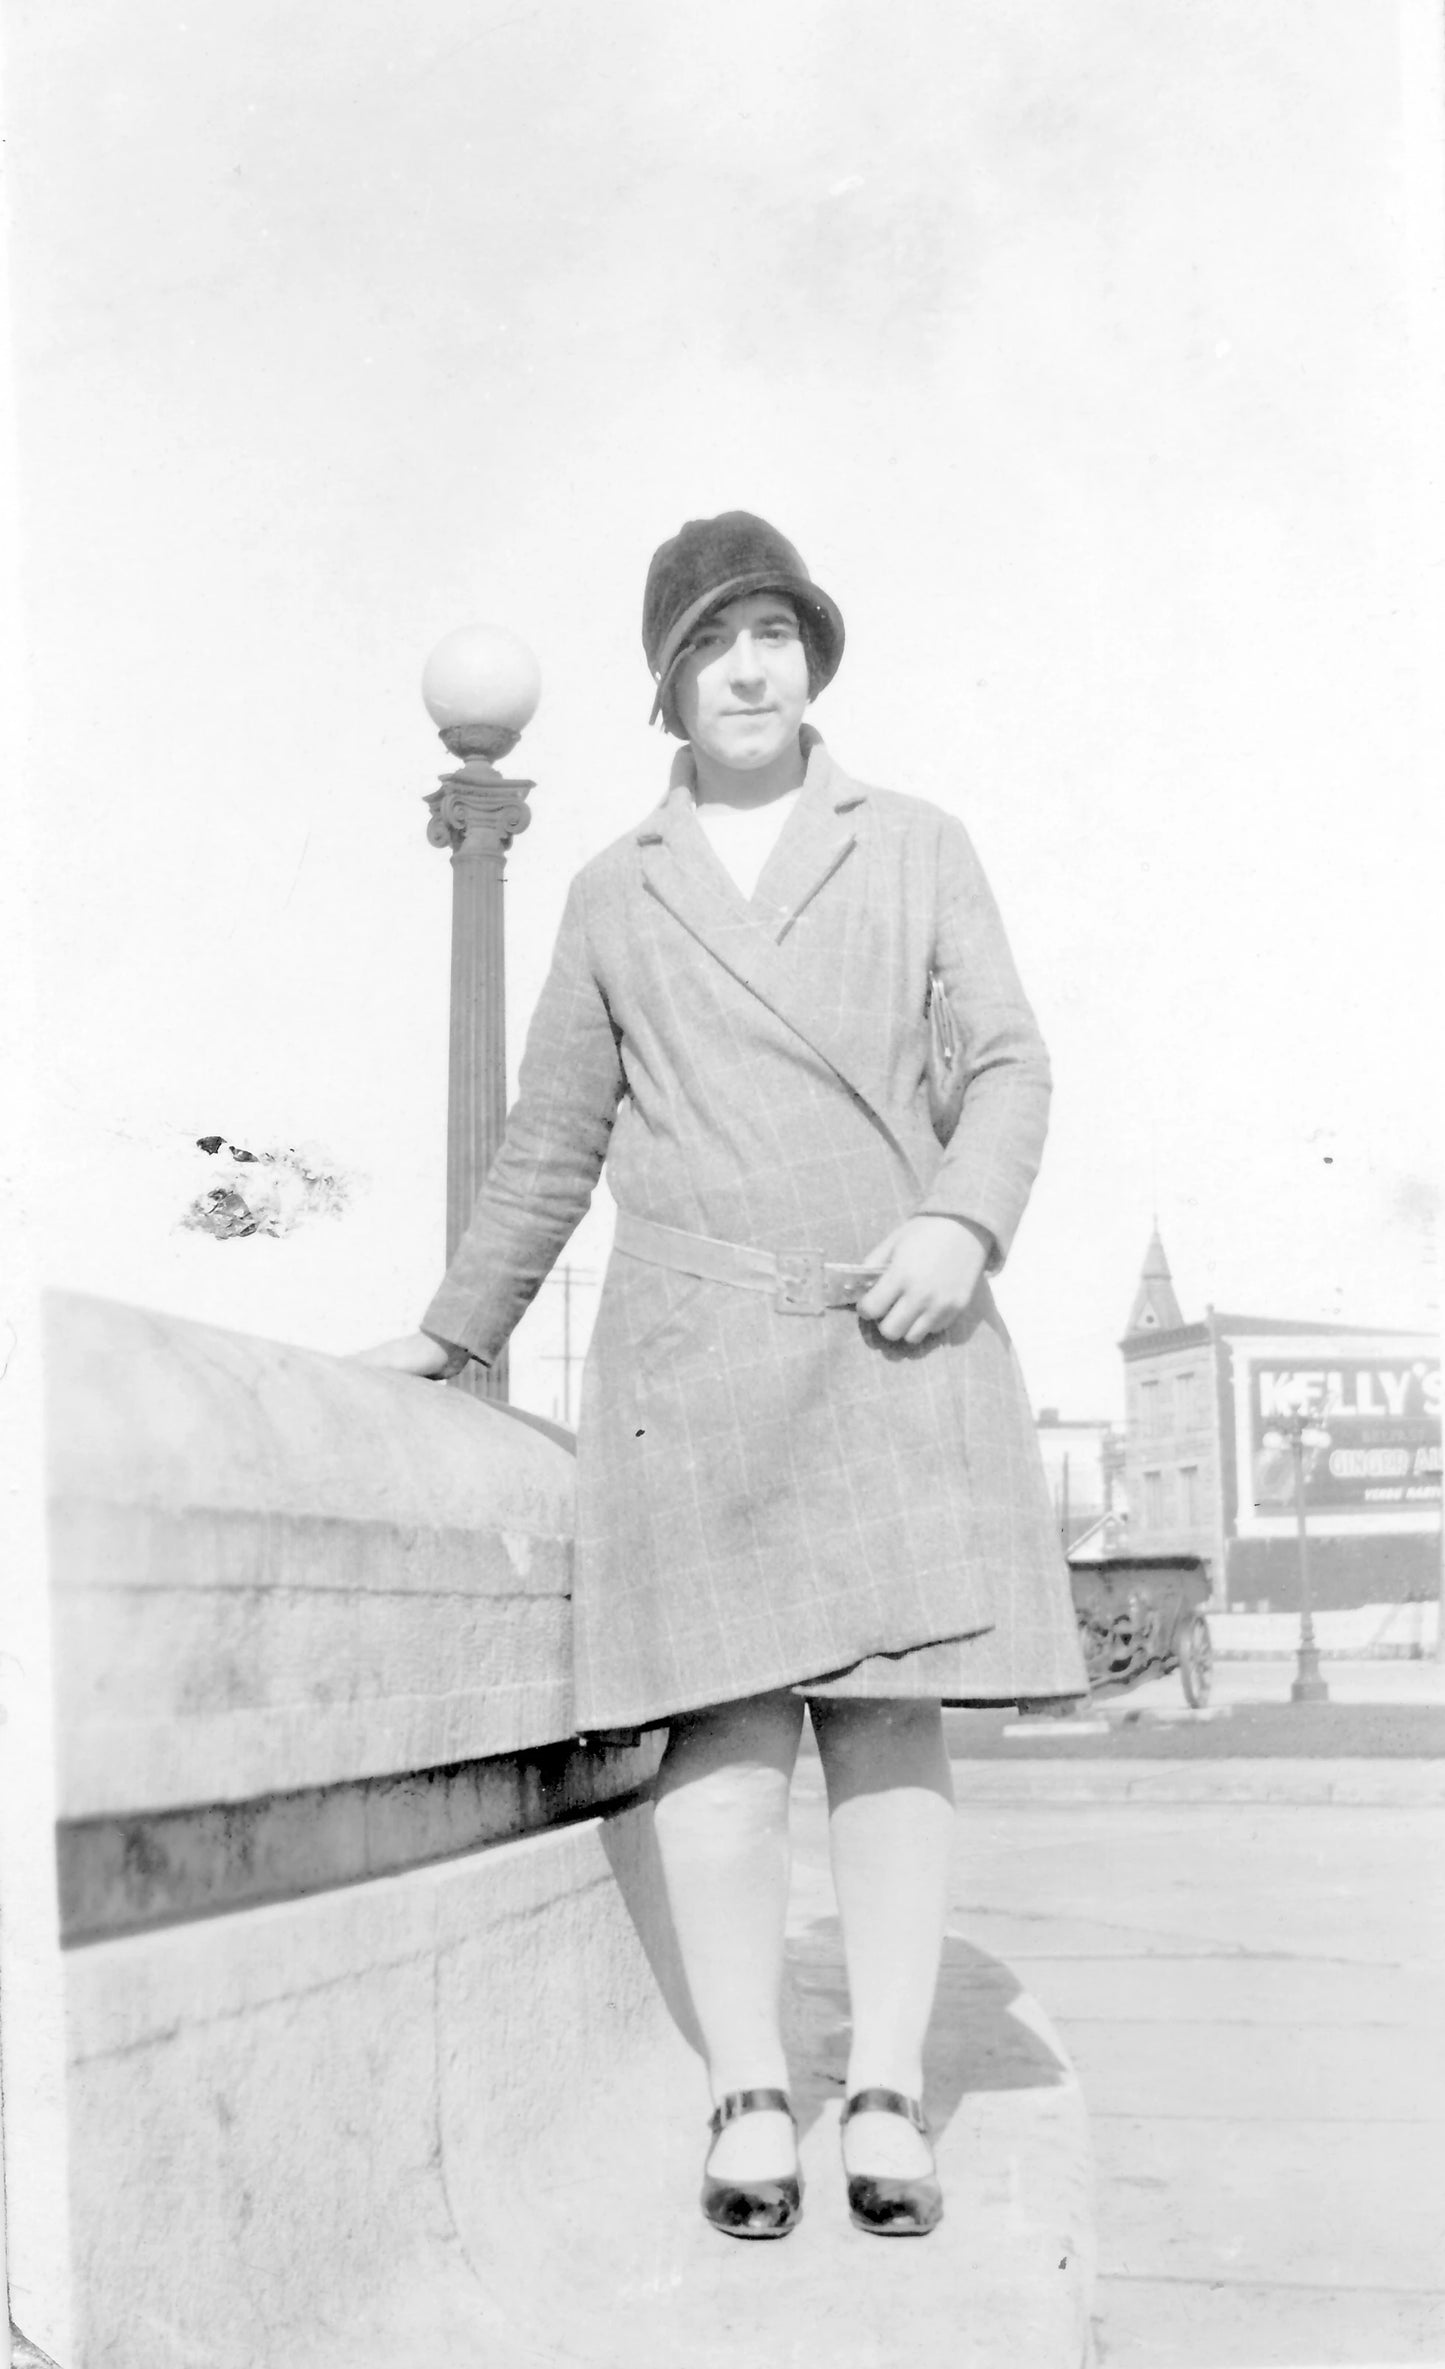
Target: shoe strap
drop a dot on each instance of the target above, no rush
(886, 2101)
(749, 2101)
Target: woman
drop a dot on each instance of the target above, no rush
(807, 1470)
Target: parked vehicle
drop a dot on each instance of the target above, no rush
(1142, 1616)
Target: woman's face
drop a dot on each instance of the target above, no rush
(742, 686)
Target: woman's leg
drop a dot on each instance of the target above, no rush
(721, 1815)
(890, 1805)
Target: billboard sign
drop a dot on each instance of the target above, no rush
(1372, 1450)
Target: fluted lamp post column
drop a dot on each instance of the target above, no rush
(481, 686)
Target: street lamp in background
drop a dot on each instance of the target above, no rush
(481, 686)
(1298, 1433)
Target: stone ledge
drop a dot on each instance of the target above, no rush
(147, 1409)
(463, 1682)
(271, 1569)
(127, 1875)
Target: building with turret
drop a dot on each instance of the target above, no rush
(1208, 1471)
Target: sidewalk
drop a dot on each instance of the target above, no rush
(1380, 1738)
(1250, 1997)
(1249, 1994)
(1256, 1680)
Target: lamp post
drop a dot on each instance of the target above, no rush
(481, 686)
(1298, 1433)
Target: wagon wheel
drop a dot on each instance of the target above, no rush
(1195, 1649)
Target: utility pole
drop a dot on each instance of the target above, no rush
(567, 1277)
(567, 1344)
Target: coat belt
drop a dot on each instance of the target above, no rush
(801, 1282)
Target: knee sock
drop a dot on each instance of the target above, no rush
(721, 1816)
(890, 1797)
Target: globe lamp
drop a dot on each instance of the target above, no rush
(482, 682)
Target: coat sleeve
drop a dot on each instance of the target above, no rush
(989, 1166)
(539, 1185)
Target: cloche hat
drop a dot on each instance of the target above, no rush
(711, 561)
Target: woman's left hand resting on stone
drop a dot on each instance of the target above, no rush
(931, 1270)
(411, 1353)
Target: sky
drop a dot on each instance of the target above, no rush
(1084, 347)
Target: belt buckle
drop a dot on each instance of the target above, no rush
(800, 1283)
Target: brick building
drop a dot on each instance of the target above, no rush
(1205, 1471)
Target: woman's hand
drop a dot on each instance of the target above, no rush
(412, 1353)
(931, 1269)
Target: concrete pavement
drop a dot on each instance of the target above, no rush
(1250, 1992)
(1244, 1960)
(1251, 1996)
(1395, 1680)
(1379, 1740)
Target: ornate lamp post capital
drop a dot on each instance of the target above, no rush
(481, 686)
(475, 816)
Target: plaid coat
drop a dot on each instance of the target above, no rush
(765, 1498)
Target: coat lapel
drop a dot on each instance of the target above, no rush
(817, 841)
